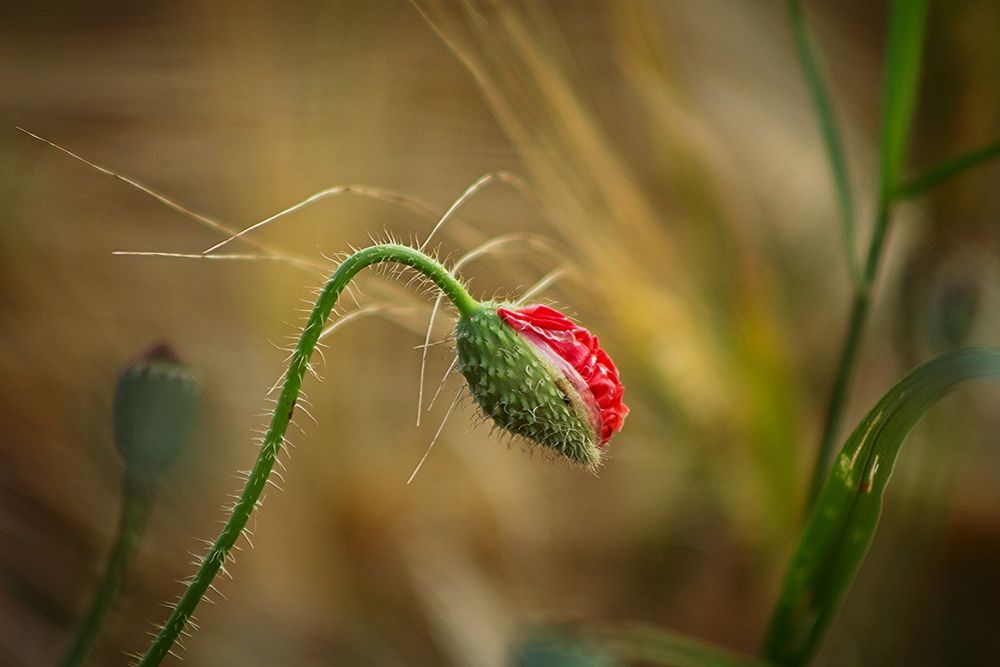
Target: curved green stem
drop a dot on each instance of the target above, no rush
(275, 436)
(135, 505)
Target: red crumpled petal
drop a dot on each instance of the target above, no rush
(581, 350)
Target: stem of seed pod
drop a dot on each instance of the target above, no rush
(135, 507)
(275, 436)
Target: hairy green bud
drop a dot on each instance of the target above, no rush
(523, 390)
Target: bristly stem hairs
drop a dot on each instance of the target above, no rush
(274, 438)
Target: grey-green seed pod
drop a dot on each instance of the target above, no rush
(156, 399)
(523, 390)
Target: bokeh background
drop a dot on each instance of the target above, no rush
(671, 173)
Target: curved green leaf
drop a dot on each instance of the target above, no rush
(842, 523)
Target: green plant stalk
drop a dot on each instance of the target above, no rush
(135, 507)
(809, 61)
(860, 306)
(904, 50)
(274, 438)
(941, 173)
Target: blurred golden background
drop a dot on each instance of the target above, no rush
(673, 170)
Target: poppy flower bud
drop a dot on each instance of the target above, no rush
(540, 376)
(155, 403)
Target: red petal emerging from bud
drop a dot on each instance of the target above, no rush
(579, 349)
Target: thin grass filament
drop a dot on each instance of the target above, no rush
(479, 183)
(437, 434)
(373, 192)
(546, 281)
(226, 257)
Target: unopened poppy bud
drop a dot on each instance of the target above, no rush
(540, 376)
(156, 399)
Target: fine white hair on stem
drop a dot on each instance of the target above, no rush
(444, 420)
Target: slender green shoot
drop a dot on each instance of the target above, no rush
(135, 506)
(274, 438)
(811, 68)
(904, 50)
(921, 183)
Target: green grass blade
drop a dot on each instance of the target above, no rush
(904, 49)
(840, 528)
(809, 61)
(936, 175)
(653, 646)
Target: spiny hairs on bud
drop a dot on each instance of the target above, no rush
(522, 391)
